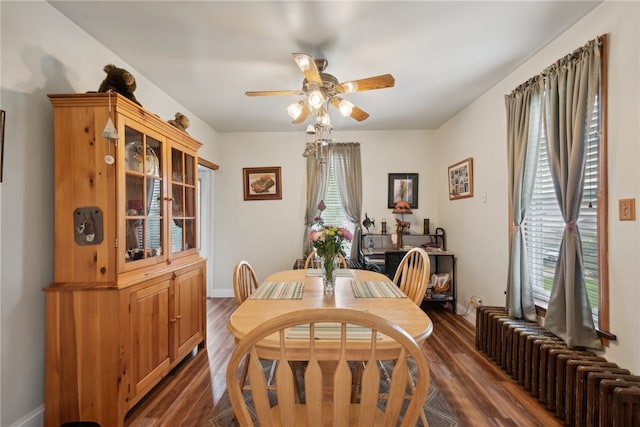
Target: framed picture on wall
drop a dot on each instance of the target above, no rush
(461, 179)
(262, 183)
(403, 186)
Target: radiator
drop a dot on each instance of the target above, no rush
(579, 387)
(606, 396)
(626, 407)
(565, 372)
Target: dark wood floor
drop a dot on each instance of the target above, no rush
(477, 391)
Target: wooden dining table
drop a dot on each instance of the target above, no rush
(400, 310)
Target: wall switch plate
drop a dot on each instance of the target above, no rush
(627, 209)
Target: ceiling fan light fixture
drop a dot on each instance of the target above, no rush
(302, 61)
(319, 87)
(294, 110)
(316, 98)
(345, 107)
(325, 120)
(349, 87)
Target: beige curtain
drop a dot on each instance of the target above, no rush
(566, 92)
(316, 189)
(570, 87)
(523, 133)
(346, 159)
(348, 169)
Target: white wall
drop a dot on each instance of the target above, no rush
(478, 232)
(269, 234)
(42, 52)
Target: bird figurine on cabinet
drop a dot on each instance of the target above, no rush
(368, 222)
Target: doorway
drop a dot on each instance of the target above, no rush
(205, 206)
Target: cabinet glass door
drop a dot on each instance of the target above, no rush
(143, 196)
(183, 187)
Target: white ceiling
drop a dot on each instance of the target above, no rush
(206, 54)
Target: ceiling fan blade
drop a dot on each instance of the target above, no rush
(308, 66)
(303, 115)
(273, 92)
(359, 114)
(356, 113)
(370, 83)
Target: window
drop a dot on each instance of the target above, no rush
(544, 224)
(334, 213)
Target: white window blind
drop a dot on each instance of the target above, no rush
(334, 213)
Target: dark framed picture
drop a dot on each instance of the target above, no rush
(461, 179)
(403, 186)
(262, 183)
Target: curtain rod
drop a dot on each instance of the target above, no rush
(601, 39)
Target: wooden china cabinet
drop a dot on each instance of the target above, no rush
(127, 303)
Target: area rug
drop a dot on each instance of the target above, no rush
(436, 408)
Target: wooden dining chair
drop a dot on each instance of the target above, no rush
(244, 281)
(342, 262)
(412, 275)
(244, 284)
(338, 349)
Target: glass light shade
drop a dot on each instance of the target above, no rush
(311, 129)
(294, 110)
(345, 107)
(349, 87)
(325, 120)
(316, 99)
(302, 61)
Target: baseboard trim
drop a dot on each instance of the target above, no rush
(222, 293)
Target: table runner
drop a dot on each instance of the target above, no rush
(340, 272)
(376, 289)
(330, 331)
(279, 290)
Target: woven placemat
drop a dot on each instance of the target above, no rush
(279, 290)
(376, 289)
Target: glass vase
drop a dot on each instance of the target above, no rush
(329, 267)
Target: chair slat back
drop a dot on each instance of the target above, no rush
(369, 386)
(286, 391)
(342, 384)
(412, 275)
(287, 412)
(313, 382)
(244, 281)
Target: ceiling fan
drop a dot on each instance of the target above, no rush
(321, 89)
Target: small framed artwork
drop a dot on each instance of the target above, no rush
(403, 186)
(262, 183)
(461, 179)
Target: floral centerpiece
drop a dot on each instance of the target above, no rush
(329, 241)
